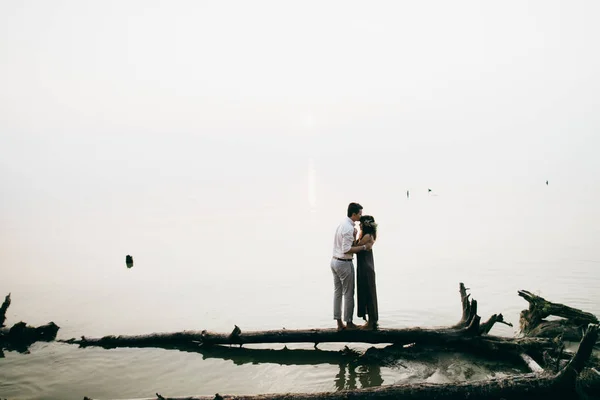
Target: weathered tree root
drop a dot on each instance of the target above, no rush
(20, 336)
(526, 386)
(469, 313)
(533, 324)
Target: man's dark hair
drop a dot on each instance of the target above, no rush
(354, 208)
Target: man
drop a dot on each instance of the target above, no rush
(343, 267)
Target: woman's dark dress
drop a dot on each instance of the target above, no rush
(365, 286)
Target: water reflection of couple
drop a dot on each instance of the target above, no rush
(345, 245)
(369, 375)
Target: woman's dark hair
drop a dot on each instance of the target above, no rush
(354, 208)
(369, 226)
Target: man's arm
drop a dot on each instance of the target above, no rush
(348, 241)
(356, 249)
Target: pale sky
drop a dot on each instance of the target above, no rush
(419, 90)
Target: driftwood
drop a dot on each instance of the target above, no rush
(20, 336)
(561, 375)
(467, 335)
(570, 327)
(531, 363)
(3, 309)
(461, 339)
(525, 386)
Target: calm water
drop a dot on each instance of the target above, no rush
(230, 249)
(220, 146)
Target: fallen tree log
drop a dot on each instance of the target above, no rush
(467, 335)
(450, 338)
(20, 336)
(526, 386)
(392, 356)
(533, 323)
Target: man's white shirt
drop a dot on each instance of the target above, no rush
(344, 237)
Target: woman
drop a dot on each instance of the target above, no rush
(365, 274)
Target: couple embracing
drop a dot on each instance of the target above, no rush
(347, 243)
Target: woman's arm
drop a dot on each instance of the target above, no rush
(366, 239)
(349, 244)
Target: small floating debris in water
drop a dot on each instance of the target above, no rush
(129, 261)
